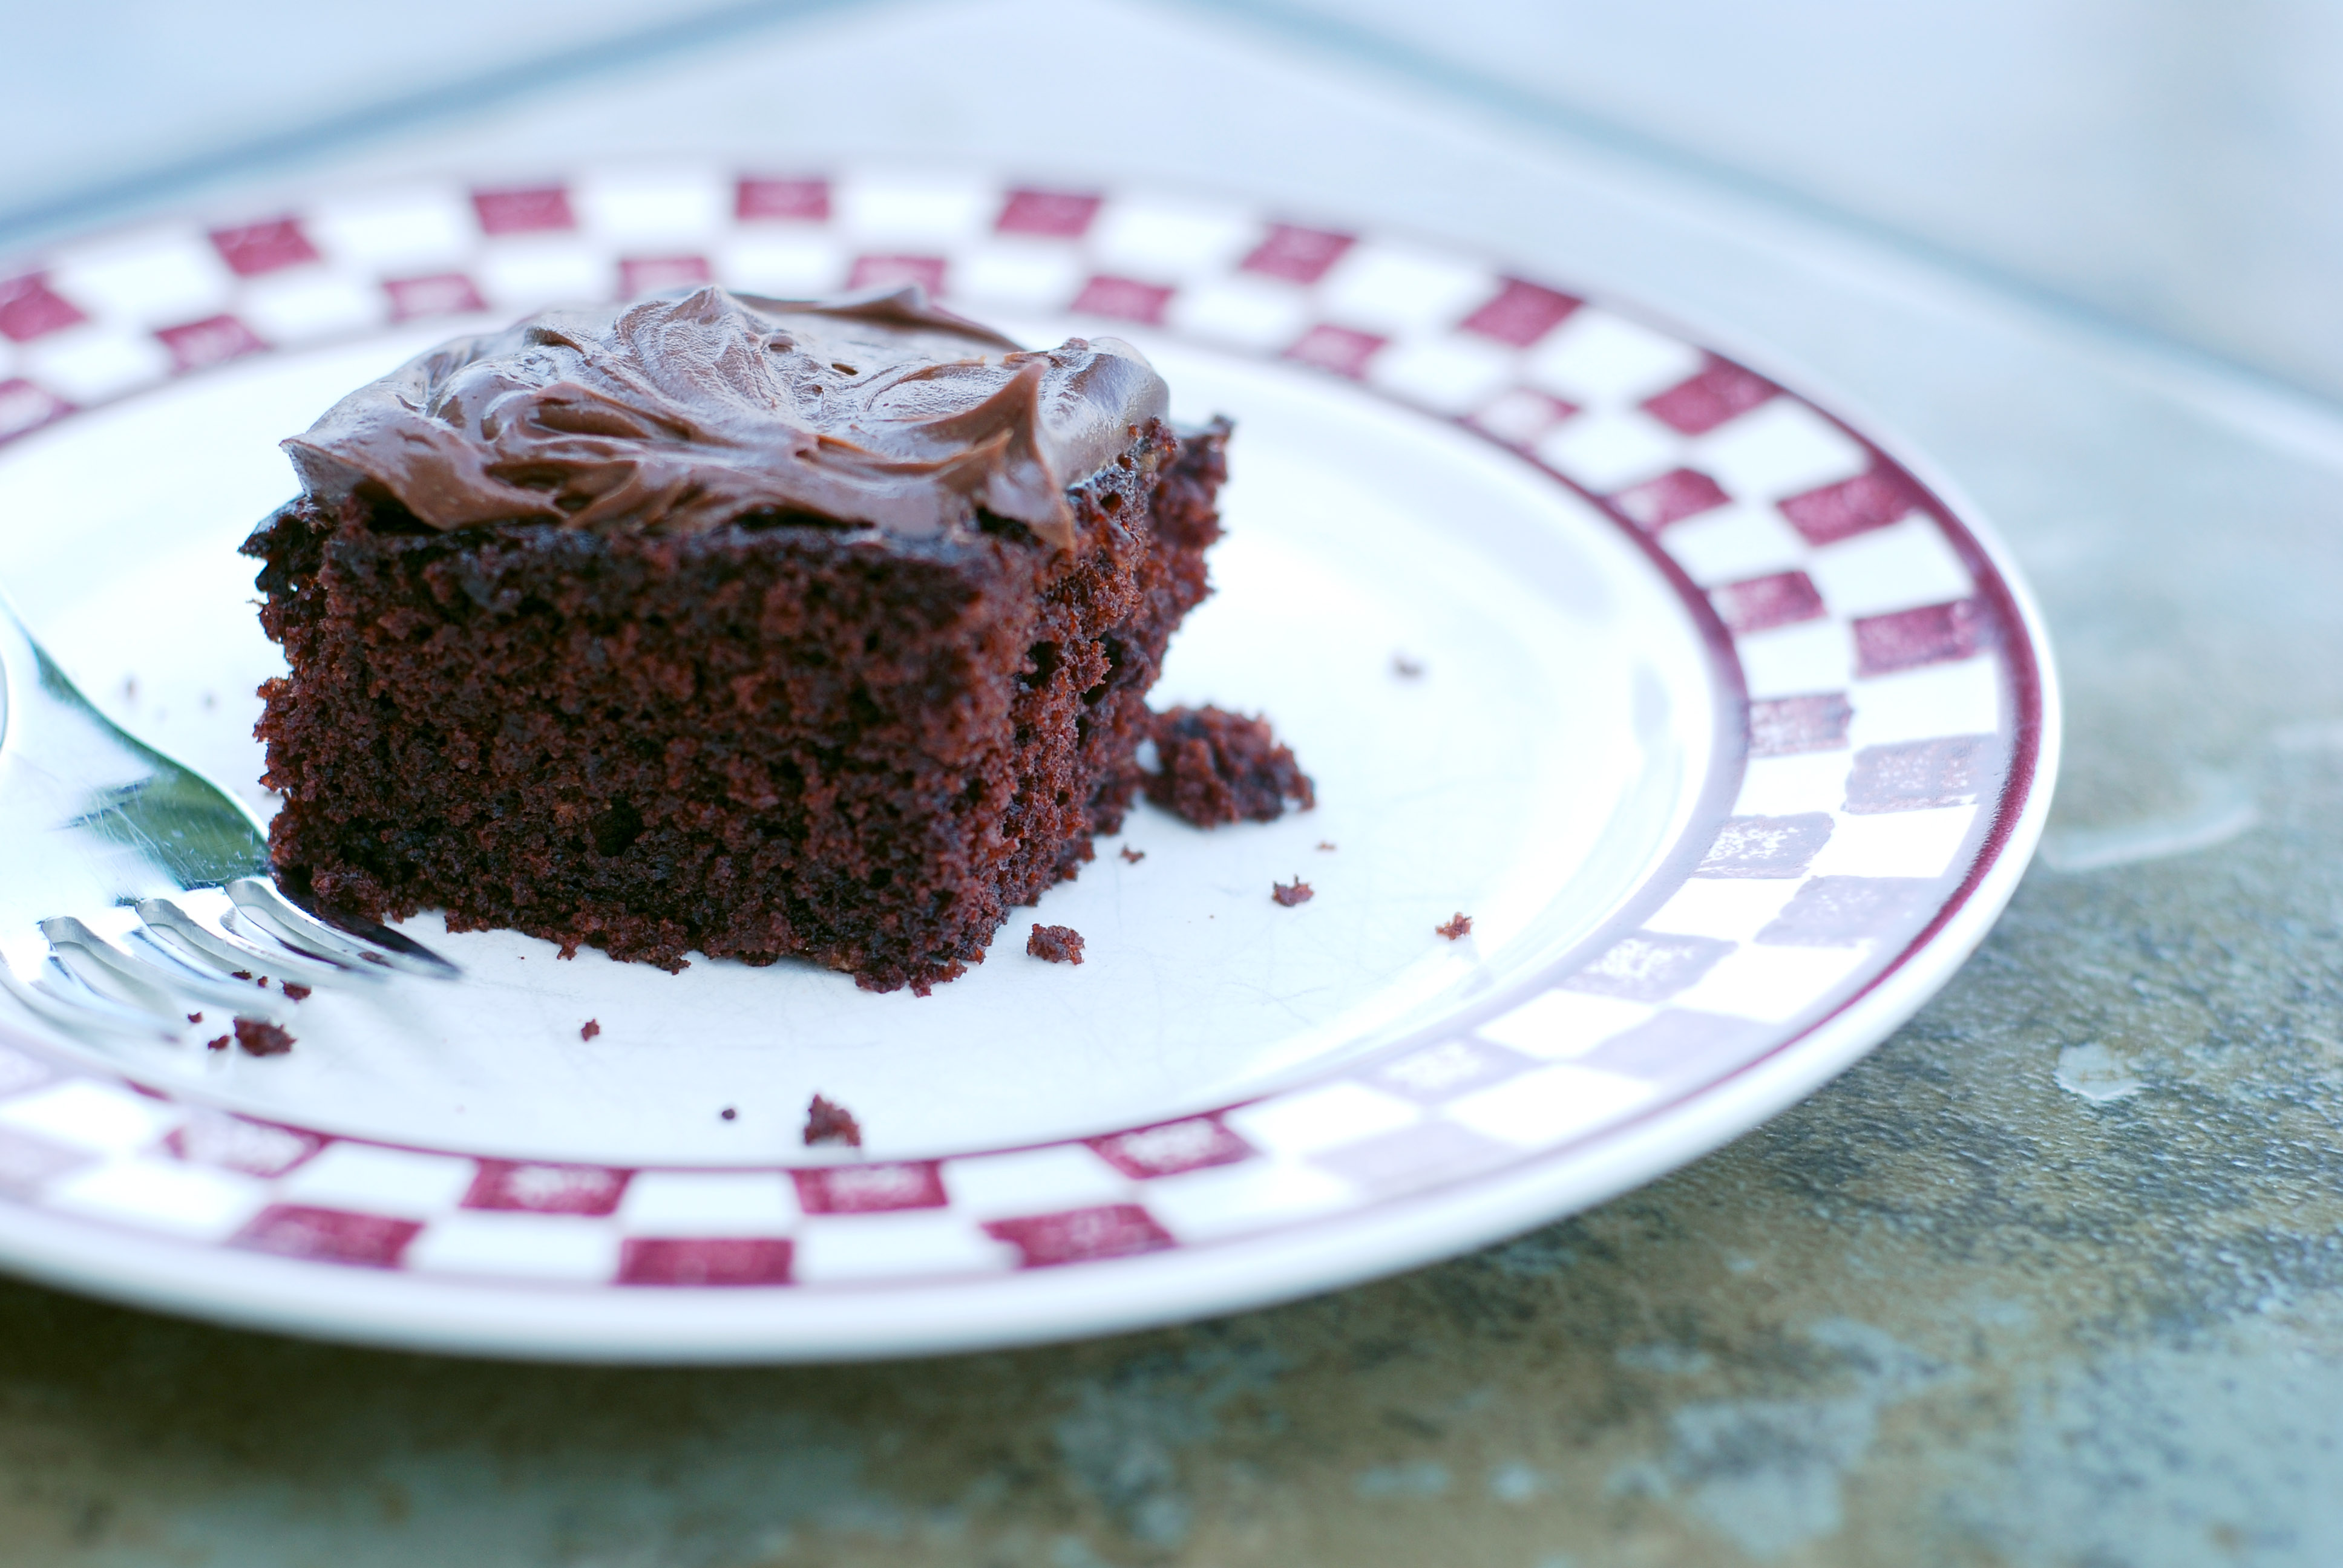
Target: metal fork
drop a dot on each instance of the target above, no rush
(133, 889)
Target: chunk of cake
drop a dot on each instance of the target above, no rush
(1214, 767)
(759, 628)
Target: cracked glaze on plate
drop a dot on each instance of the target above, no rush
(1729, 733)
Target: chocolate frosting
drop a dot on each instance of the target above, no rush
(680, 412)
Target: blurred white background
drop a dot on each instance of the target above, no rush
(2170, 165)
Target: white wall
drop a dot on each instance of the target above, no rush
(93, 91)
(2175, 163)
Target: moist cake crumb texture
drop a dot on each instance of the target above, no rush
(1289, 894)
(827, 1121)
(1457, 928)
(1214, 767)
(543, 678)
(1058, 944)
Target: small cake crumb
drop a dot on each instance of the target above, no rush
(1058, 944)
(1297, 893)
(241, 974)
(1133, 856)
(260, 1038)
(830, 1122)
(194, 1018)
(1217, 767)
(297, 992)
(729, 1113)
(1407, 669)
(1462, 926)
(591, 1027)
(1328, 847)
(219, 1044)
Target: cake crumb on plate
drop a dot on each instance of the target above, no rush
(591, 1027)
(1459, 927)
(1216, 767)
(261, 1038)
(1290, 894)
(1058, 944)
(827, 1121)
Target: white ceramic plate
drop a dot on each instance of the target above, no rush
(1730, 735)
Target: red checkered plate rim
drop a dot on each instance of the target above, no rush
(1886, 757)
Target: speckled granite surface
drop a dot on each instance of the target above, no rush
(2053, 1278)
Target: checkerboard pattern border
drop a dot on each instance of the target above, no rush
(1890, 696)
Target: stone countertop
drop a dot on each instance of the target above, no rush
(2055, 1277)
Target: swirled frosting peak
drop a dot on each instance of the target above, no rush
(676, 413)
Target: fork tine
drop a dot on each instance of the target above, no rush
(63, 997)
(187, 922)
(364, 941)
(140, 959)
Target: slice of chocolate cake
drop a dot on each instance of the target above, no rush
(720, 623)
